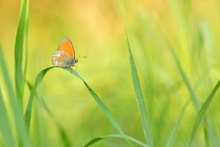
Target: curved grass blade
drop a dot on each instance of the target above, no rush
(95, 140)
(38, 79)
(175, 129)
(194, 98)
(101, 104)
(202, 111)
(41, 138)
(21, 130)
(140, 99)
(95, 96)
(5, 125)
(26, 46)
(42, 102)
(61, 130)
(18, 51)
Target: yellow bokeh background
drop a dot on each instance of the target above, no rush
(98, 31)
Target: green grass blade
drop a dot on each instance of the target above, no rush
(64, 137)
(140, 100)
(26, 46)
(38, 123)
(38, 79)
(202, 111)
(194, 98)
(175, 129)
(208, 42)
(95, 140)
(95, 96)
(21, 129)
(18, 51)
(6, 131)
(61, 130)
(100, 103)
(210, 134)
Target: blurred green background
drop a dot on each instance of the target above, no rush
(97, 30)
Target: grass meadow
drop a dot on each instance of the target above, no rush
(150, 76)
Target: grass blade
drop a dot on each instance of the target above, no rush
(175, 129)
(21, 129)
(18, 51)
(194, 98)
(202, 111)
(101, 104)
(5, 124)
(38, 79)
(95, 96)
(61, 130)
(63, 134)
(140, 100)
(26, 46)
(95, 140)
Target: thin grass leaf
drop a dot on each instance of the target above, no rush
(140, 99)
(212, 137)
(38, 79)
(202, 111)
(95, 96)
(180, 20)
(38, 124)
(101, 104)
(207, 41)
(6, 131)
(194, 98)
(61, 130)
(95, 140)
(176, 127)
(64, 137)
(21, 129)
(18, 51)
(26, 45)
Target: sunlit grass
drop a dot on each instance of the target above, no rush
(172, 65)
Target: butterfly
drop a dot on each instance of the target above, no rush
(64, 56)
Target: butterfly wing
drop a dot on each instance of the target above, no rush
(61, 58)
(67, 46)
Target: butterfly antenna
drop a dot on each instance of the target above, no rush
(81, 57)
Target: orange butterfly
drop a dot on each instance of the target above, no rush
(64, 56)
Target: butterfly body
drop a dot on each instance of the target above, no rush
(64, 56)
